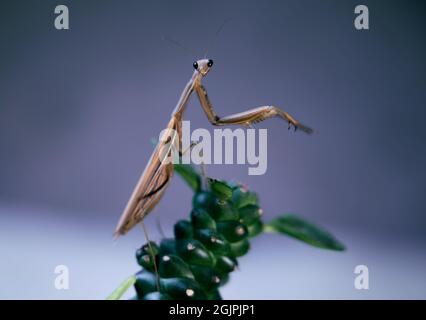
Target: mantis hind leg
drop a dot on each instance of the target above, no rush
(151, 253)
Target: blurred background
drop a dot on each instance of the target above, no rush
(78, 108)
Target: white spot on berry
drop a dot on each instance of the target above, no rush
(216, 279)
(239, 231)
(221, 202)
(189, 292)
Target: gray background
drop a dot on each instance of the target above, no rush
(78, 108)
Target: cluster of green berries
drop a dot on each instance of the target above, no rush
(205, 248)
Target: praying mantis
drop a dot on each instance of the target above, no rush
(158, 173)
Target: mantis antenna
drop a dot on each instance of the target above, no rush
(178, 44)
(216, 35)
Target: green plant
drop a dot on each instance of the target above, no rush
(205, 248)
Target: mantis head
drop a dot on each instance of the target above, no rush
(203, 66)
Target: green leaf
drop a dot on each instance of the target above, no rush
(191, 177)
(304, 231)
(118, 293)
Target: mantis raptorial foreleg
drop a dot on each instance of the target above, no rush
(247, 117)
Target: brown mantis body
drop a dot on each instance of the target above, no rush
(158, 173)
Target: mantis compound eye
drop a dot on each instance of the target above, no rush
(195, 65)
(210, 63)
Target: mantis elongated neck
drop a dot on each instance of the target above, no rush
(186, 93)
